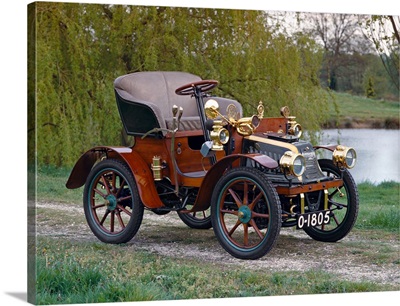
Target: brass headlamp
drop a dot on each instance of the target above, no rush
(344, 157)
(219, 135)
(293, 163)
(294, 128)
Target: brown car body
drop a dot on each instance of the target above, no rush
(182, 161)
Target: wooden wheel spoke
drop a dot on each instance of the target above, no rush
(112, 222)
(100, 193)
(121, 222)
(231, 212)
(233, 229)
(98, 206)
(245, 234)
(124, 198)
(235, 197)
(105, 184)
(254, 225)
(256, 199)
(120, 188)
(113, 182)
(203, 212)
(258, 215)
(336, 220)
(104, 217)
(245, 193)
(124, 210)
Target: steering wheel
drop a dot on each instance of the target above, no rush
(203, 86)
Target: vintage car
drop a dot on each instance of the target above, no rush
(246, 177)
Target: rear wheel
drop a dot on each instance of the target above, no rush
(343, 203)
(111, 202)
(245, 213)
(196, 219)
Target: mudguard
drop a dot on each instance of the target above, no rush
(140, 170)
(203, 200)
(326, 147)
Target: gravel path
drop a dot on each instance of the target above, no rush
(355, 258)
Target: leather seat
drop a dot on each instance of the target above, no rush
(154, 91)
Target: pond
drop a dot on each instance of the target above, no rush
(377, 152)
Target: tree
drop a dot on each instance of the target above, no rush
(82, 48)
(384, 33)
(340, 36)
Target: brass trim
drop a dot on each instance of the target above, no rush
(326, 193)
(302, 205)
(157, 168)
(260, 110)
(339, 156)
(273, 142)
(215, 136)
(287, 163)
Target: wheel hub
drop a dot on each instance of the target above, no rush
(244, 214)
(111, 202)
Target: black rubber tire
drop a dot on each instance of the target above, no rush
(119, 221)
(193, 221)
(225, 209)
(344, 221)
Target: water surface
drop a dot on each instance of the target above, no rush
(378, 152)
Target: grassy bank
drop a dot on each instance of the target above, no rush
(350, 111)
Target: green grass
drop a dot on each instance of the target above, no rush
(51, 185)
(379, 206)
(72, 272)
(351, 108)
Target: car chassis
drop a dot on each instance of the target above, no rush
(246, 177)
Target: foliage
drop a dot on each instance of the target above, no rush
(82, 48)
(370, 91)
(383, 31)
(357, 47)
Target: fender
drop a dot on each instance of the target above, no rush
(214, 174)
(326, 147)
(140, 170)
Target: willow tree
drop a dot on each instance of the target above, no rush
(82, 48)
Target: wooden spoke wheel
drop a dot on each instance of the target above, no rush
(196, 219)
(111, 202)
(343, 203)
(246, 213)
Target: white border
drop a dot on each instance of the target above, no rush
(13, 142)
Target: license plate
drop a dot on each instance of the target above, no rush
(312, 219)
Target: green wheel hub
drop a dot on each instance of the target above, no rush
(244, 214)
(111, 202)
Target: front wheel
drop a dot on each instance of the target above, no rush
(111, 202)
(343, 203)
(245, 213)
